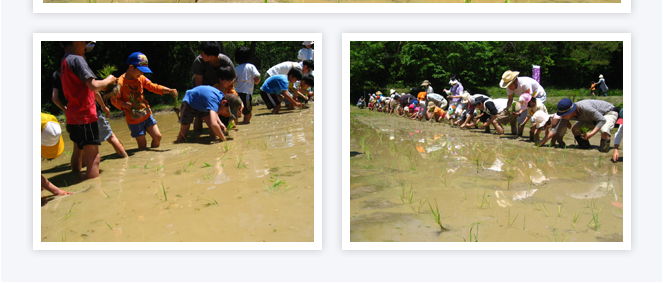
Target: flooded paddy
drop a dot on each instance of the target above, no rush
(256, 187)
(483, 186)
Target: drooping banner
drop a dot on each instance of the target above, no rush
(536, 73)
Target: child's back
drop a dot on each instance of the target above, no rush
(246, 74)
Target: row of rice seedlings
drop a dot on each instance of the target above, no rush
(436, 215)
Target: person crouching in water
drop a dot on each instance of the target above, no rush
(208, 103)
(275, 88)
(434, 113)
(499, 112)
(533, 106)
(601, 113)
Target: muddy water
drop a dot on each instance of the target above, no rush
(330, 1)
(211, 193)
(516, 192)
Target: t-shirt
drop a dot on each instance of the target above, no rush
(438, 111)
(204, 98)
(81, 108)
(205, 69)
(245, 77)
(495, 106)
(283, 68)
(527, 85)
(275, 84)
(421, 95)
(539, 106)
(134, 89)
(305, 54)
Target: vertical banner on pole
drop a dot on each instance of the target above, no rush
(536, 73)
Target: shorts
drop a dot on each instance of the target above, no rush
(610, 119)
(505, 118)
(138, 130)
(189, 113)
(246, 99)
(85, 134)
(104, 128)
(271, 99)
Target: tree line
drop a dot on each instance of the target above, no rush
(170, 61)
(479, 64)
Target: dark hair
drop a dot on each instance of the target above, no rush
(308, 63)
(453, 78)
(225, 73)
(210, 48)
(308, 79)
(242, 55)
(297, 73)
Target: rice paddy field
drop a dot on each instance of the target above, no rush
(256, 187)
(417, 181)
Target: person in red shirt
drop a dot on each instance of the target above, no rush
(131, 100)
(79, 84)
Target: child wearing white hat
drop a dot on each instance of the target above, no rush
(51, 147)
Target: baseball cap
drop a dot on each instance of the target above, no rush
(139, 60)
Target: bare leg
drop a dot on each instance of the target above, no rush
(92, 159)
(76, 159)
(276, 109)
(155, 134)
(142, 142)
(498, 127)
(247, 118)
(117, 145)
(184, 130)
(197, 124)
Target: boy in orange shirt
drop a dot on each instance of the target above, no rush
(136, 109)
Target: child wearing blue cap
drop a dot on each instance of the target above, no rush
(131, 100)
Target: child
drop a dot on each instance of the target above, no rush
(51, 147)
(284, 68)
(208, 103)
(306, 53)
(275, 88)
(300, 89)
(247, 76)
(533, 106)
(79, 84)
(136, 109)
(462, 108)
(435, 114)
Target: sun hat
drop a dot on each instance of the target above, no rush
(540, 118)
(465, 96)
(140, 61)
(508, 77)
(600, 76)
(453, 82)
(51, 137)
(378, 93)
(524, 100)
(425, 83)
(307, 43)
(392, 91)
(565, 106)
(431, 105)
(234, 104)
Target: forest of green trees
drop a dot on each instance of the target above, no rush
(170, 62)
(378, 65)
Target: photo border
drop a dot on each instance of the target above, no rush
(37, 244)
(345, 134)
(364, 8)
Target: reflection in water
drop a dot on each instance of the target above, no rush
(516, 191)
(192, 191)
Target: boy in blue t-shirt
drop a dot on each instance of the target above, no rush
(208, 103)
(275, 88)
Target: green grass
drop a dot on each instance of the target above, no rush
(436, 215)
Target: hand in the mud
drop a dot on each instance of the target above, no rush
(63, 193)
(299, 105)
(615, 155)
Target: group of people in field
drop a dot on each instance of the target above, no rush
(220, 94)
(459, 108)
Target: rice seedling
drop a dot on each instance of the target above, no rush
(576, 217)
(225, 146)
(159, 168)
(555, 237)
(560, 209)
(240, 165)
(146, 165)
(596, 211)
(509, 221)
(207, 177)
(436, 215)
(524, 221)
(464, 196)
(403, 196)
(206, 165)
(109, 227)
(474, 237)
(421, 204)
(210, 202)
(164, 191)
(70, 213)
(106, 194)
(481, 201)
(63, 238)
(274, 187)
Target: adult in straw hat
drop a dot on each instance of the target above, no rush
(427, 87)
(51, 147)
(519, 86)
(306, 53)
(599, 113)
